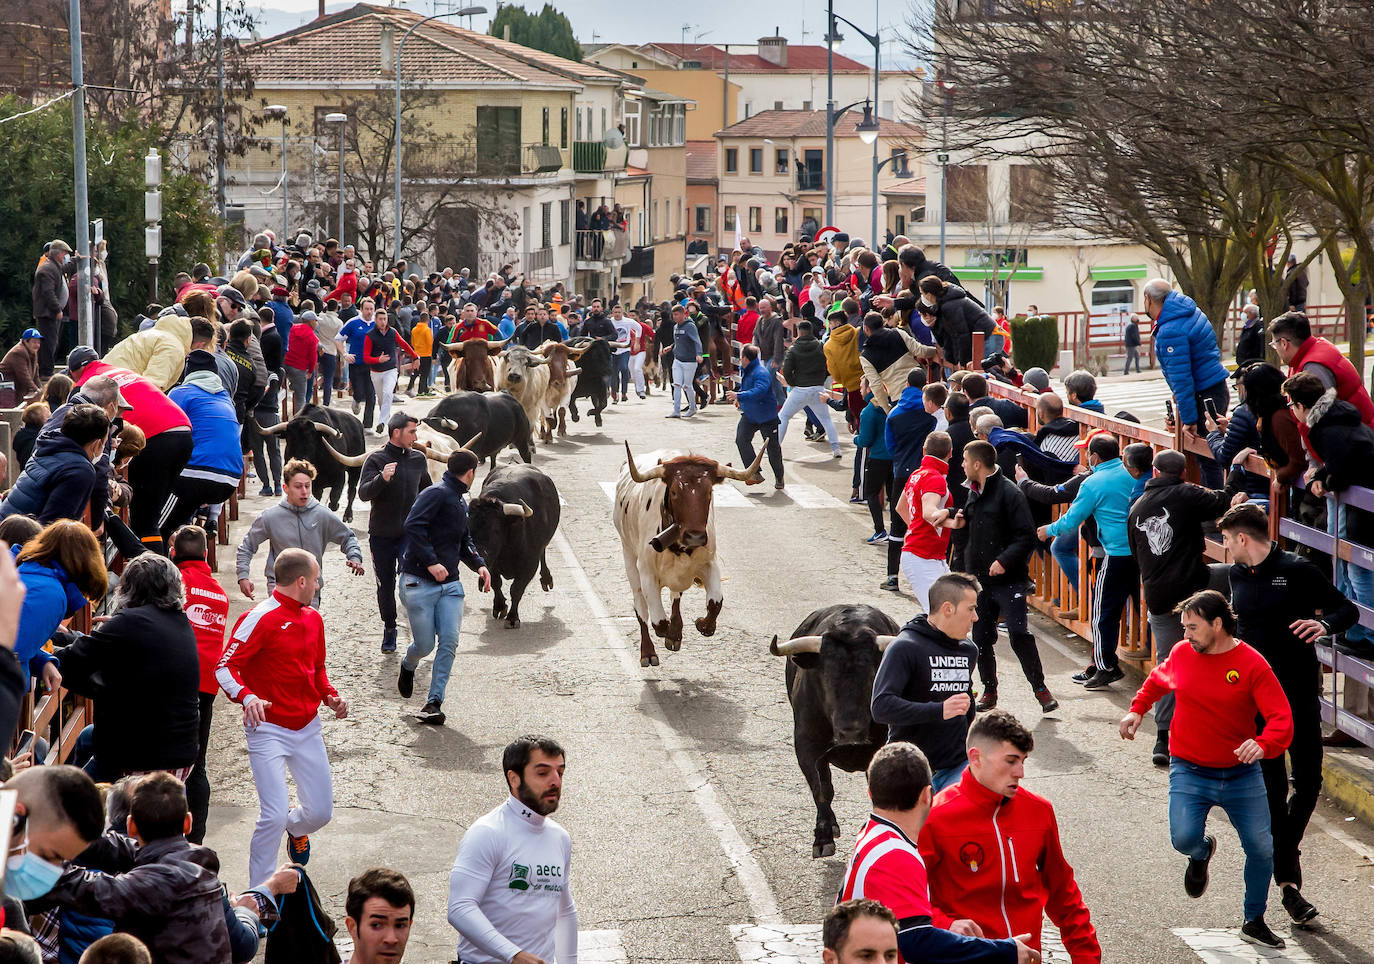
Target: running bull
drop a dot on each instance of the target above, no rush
(512, 522)
(333, 442)
(833, 657)
(665, 515)
(593, 357)
(472, 368)
(496, 416)
(562, 380)
(525, 374)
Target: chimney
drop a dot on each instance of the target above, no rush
(774, 49)
(321, 8)
(505, 33)
(388, 55)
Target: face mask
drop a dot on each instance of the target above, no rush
(29, 876)
(927, 300)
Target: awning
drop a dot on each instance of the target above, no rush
(1125, 272)
(1004, 273)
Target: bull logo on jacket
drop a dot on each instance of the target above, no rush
(971, 856)
(1157, 532)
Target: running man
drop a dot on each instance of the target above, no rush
(274, 667)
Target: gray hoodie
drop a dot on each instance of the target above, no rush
(284, 526)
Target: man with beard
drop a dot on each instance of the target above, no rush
(509, 893)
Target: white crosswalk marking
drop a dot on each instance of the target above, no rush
(729, 497)
(777, 943)
(600, 947)
(1217, 945)
(812, 496)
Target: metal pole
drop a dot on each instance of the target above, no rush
(725, 94)
(83, 217)
(877, 35)
(944, 168)
(152, 281)
(221, 197)
(830, 112)
(341, 181)
(285, 211)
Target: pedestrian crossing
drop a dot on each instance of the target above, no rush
(1216, 945)
(1144, 398)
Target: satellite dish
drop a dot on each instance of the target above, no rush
(613, 138)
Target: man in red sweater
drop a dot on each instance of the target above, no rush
(1220, 686)
(274, 666)
(992, 848)
(207, 609)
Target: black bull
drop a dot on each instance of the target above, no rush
(512, 522)
(333, 442)
(595, 367)
(833, 657)
(497, 416)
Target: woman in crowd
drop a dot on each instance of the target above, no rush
(62, 569)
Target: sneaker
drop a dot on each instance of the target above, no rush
(987, 701)
(1104, 678)
(276, 490)
(673, 415)
(356, 406)
(877, 539)
(856, 499)
(778, 484)
(1195, 877)
(1159, 756)
(405, 681)
(431, 713)
(298, 848)
(890, 584)
(1083, 677)
(380, 429)
(1257, 932)
(1048, 704)
(691, 414)
(1298, 907)
(389, 639)
(265, 491)
(836, 454)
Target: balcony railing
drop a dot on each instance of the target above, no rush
(595, 249)
(464, 160)
(594, 157)
(640, 264)
(539, 264)
(810, 181)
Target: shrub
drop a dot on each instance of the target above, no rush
(1035, 342)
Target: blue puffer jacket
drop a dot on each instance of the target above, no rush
(756, 400)
(873, 432)
(215, 452)
(55, 484)
(50, 596)
(1187, 350)
(905, 432)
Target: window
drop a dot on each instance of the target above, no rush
(667, 125)
(632, 115)
(603, 122)
(755, 220)
(806, 105)
(544, 130)
(780, 162)
(811, 175)
(546, 222)
(756, 160)
(1032, 194)
(703, 216)
(888, 110)
(563, 129)
(780, 220)
(655, 225)
(966, 193)
(579, 125)
(813, 215)
(777, 105)
(900, 224)
(732, 160)
(748, 109)
(564, 211)
(498, 141)
(729, 217)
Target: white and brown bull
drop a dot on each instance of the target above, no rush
(562, 380)
(437, 448)
(525, 375)
(665, 515)
(472, 367)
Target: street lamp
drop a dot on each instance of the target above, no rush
(274, 112)
(868, 129)
(901, 171)
(340, 119)
(468, 12)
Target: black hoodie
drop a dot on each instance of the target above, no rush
(804, 364)
(920, 670)
(1164, 526)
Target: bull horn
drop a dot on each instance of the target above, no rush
(884, 642)
(449, 424)
(274, 430)
(577, 352)
(352, 461)
(329, 430)
(519, 509)
(498, 345)
(455, 347)
(433, 455)
(655, 473)
(467, 447)
(749, 475)
(572, 370)
(620, 344)
(795, 645)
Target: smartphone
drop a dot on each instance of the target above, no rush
(25, 743)
(1211, 407)
(1169, 409)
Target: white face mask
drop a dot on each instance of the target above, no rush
(927, 300)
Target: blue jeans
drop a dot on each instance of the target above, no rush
(1239, 790)
(779, 393)
(993, 344)
(435, 610)
(949, 775)
(1355, 581)
(810, 399)
(620, 377)
(1065, 551)
(325, 373)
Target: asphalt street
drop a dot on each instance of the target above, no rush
(691, 823)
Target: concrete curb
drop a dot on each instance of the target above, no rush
(1348, 779)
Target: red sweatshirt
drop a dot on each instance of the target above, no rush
(481, 328)
(1218, 697)
(276, 653)
(207, 609)
(303, 347)
(998, 862)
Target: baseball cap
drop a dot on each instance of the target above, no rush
(234, 295)
(307, 315)
(31, 333)
(81, 356)
(177, 309)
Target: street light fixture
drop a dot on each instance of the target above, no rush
(868, 127)
(900, 170)
(340, 119)
(275, 112)
(468, 12)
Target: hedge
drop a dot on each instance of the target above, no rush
(1035, 342)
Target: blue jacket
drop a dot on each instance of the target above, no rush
(873, 432)
(1092, 405)
(1187, 350)
(284, 318)
(756, 400)
(215, 450)
(55, 484)
(905, 433)
(436, 530)
(1106, 497)
(50, 597)
(1041, 466)
(355, 331)
(686, 342)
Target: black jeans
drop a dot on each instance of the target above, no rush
(47, 348)
(877, 482)
(188, 495)
(1288, 816)
(1117, 580)
(1007, 601)
(152, 474)
(744, 441)
(386, 553)
(896, 527)
(198, 782)
(267, 449)
(360, 377)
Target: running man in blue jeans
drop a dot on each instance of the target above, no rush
(437, 540)
(1220, 686)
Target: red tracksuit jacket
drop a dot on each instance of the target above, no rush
(276, 653)
(207, 609)
(998, 862)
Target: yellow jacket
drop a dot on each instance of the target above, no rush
(842, 356)
(158, 354)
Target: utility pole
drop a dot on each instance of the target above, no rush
(221, 199)
(877, 116)
(725, 94)
(83, 215)
(830, 112)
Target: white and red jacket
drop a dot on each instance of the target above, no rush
(276, 653)
(207, 610)
(998, 862)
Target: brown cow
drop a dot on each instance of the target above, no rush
(473, 370)
(562, 381)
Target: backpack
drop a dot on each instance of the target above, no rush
(304, 933)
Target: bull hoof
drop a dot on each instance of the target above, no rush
(498, 611)
(597, 419)
(348, 516)
(673, 645)
(661, 628)
(706, 625)
(513, 622)
(647, 661)
(823, 850)
(576, 417)
(546, 584)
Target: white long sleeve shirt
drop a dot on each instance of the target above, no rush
(510, 889)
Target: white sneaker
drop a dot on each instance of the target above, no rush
(356, 406)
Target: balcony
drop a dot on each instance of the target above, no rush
(810, 181)
(539, 264)
(640, 265)
(543, 159)
(594, 157)
(425, 162)
(600, 250)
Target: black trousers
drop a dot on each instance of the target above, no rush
(188, 495)
(1117, 580)
(360, 377)
(1289, 815)
(877, 482)
(422, 373)
(386, 553)
(1006, 601)
(47, 348)
(744, 441)
(152, 474)
(198, 783)
(896, 527)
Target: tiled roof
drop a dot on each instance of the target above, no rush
(811, 123)
(801, 58)
(914, 187)
(345, 47)
(701, 160)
